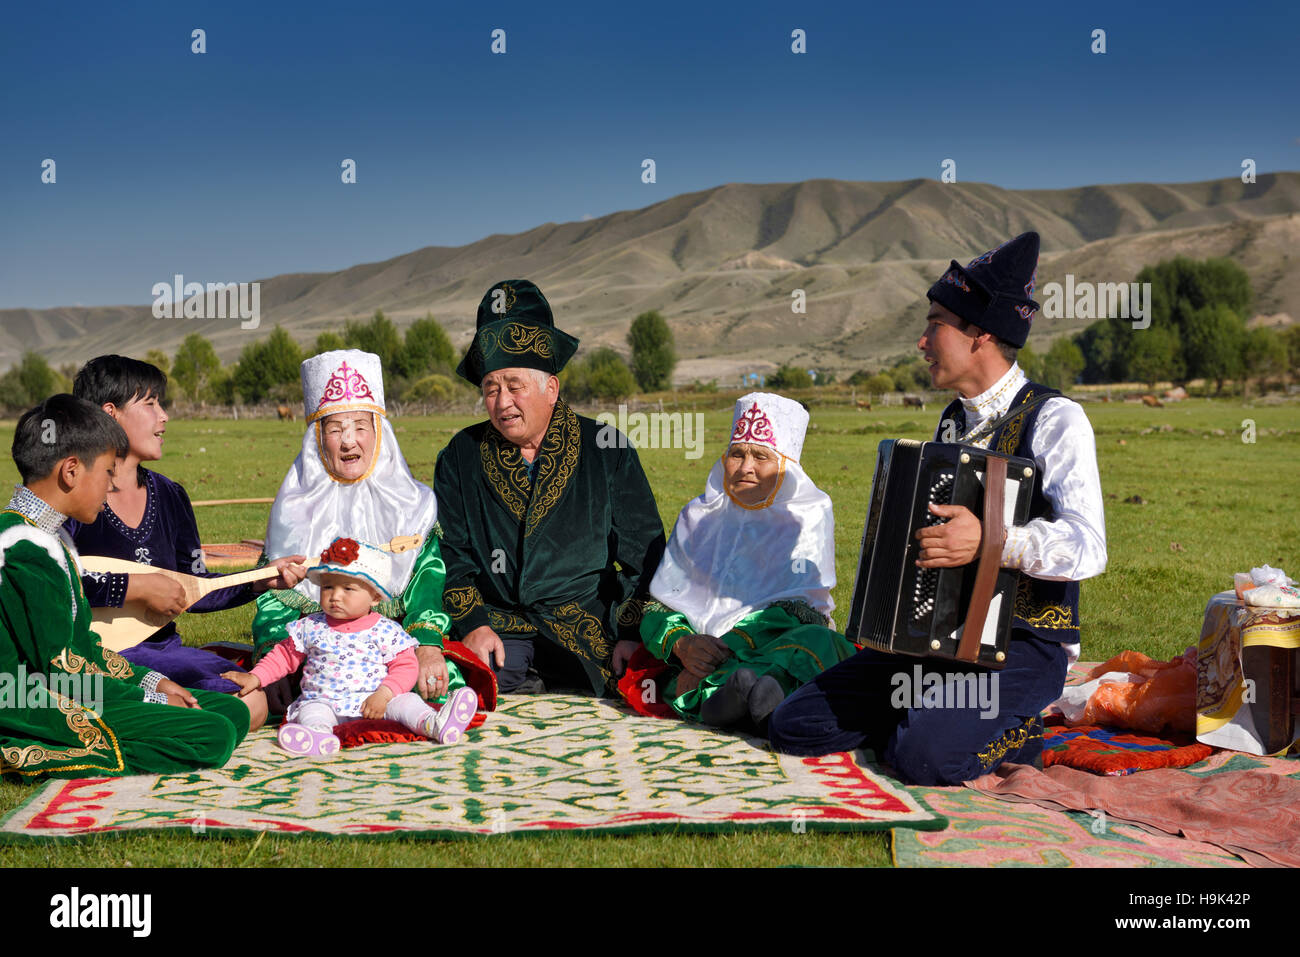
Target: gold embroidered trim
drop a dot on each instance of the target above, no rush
(462, 600)
(1013, 740)
(745, 635)
(806, 651)
(1044, 616)
(508, 621)
(78, 721)
(558, 460)
(575, 626)
(415, 626)
(1009, 441)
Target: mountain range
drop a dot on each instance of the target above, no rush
(722, 265)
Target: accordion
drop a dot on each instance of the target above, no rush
(962, 613)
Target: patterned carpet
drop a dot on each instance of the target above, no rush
(552, 762)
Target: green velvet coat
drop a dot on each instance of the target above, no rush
(70, 708)
(558, 556)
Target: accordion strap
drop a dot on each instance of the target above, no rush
(990, 559)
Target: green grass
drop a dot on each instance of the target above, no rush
(1224, 503)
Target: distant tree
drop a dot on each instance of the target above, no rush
(435, 388)
(1264, 355)
(1100, 345)
(911, 374)
(13, 395)
(195, 367)
(379, 336)
(1213, 339)
(601, 375)
(879, 384)
(653, 354)
(789, 377)
(1062, 364)
(267, 364)
(860, 377)
(159, 359)
(328, 341)
(426, 349)
(1155, 354)
(1291, 341)
(1031, 363)
(37, 379)
(826, 378)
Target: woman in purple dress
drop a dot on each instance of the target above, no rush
(148, 519)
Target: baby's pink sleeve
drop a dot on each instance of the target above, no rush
(283, 659)
(402, 672)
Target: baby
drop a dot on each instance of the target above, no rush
(356, 663)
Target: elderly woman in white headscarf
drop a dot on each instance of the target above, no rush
(742, 598)
(351, 481)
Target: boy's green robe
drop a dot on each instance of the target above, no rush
(788, 640)
(558, 554)
(418, 608)
(70, 708)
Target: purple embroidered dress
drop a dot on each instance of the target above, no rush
(167, 537)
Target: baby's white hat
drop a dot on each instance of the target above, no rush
(355, 559)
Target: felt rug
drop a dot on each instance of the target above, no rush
(1113, 751)
(1240, 803)
(539, 763)
(985, 831)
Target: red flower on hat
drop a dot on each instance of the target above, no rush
(342, 551)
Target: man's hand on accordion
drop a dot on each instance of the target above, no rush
(955, 542)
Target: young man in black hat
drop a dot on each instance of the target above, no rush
(546, 530)
(979, 316)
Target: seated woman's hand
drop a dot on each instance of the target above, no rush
(161, 595)
(433, 679)
(291, 569)
(701, 654)
(245, 681)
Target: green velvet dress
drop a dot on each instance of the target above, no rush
(70, 708)
(788, 640)
(558, 554)
(418, 608)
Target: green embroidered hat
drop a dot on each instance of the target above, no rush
(515, 330)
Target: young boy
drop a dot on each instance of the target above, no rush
(356, 663)
(149, 519)
(80, 710)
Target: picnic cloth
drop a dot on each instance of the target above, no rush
(1114, 751)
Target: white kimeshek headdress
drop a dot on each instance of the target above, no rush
(726, 559)
(314, 507)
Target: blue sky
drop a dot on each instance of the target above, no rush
(226, 166)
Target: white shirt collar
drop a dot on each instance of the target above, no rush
(996, 399)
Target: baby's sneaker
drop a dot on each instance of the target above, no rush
(300, 739)
(447, 725)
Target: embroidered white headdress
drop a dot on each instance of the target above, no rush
(726, 560)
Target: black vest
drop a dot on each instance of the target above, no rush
(1045, 609)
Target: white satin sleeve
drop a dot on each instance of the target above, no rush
(1072, 546)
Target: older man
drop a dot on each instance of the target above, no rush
(547, 533)
(979, 316)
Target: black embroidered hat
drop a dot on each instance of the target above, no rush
(515, 329)
(992, 291)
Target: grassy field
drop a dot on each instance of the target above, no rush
(1210, 504)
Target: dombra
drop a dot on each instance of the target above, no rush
(125, 627)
